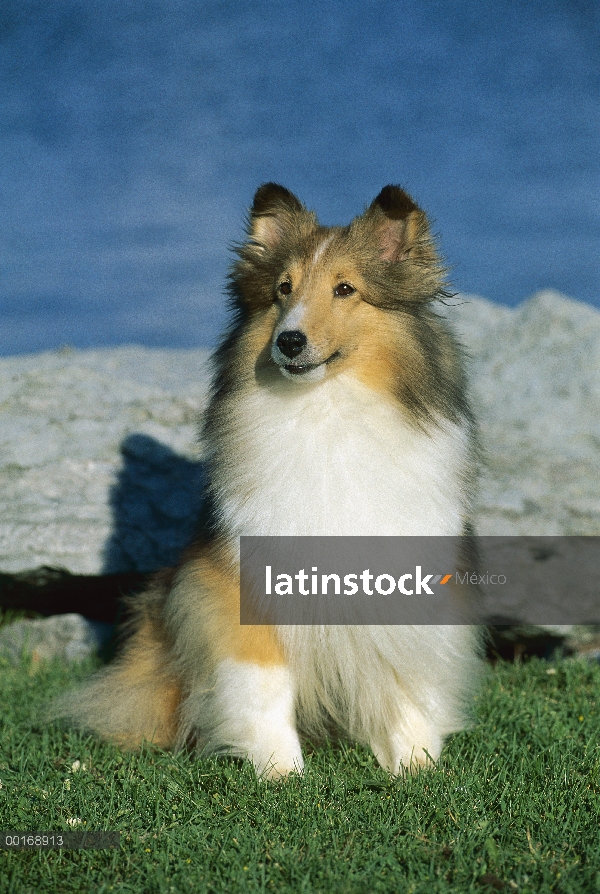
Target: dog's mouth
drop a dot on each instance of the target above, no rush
(300, 369)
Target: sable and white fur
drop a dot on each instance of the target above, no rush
(337, 407)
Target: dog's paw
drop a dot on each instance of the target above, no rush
(412, 745)
(279, 763)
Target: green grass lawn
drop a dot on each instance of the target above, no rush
(513, 805)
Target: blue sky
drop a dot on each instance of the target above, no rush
(134, 136)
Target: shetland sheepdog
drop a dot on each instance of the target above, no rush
(337, 408)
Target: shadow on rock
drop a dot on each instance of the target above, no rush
(155, 503)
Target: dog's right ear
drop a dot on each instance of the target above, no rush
(272, 213)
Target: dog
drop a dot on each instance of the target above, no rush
(337, 407)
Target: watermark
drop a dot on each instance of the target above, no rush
(419, 580)
(384, 584)
(19, 841)
(479, 580)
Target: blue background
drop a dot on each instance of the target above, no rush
(135, 133)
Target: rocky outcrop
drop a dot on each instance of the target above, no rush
(99, 462)
(535, 374)
(100, 466)
(71, 637)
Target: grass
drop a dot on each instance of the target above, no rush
(513, 804)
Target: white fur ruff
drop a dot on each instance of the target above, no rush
(338, 459)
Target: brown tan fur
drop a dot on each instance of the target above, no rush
(390, 257)
(171, 645)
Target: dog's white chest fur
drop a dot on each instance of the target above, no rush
(337, 458)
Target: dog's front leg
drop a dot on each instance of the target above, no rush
(241, 694)
(252, 709)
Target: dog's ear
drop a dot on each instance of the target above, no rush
(272, 212)
(400, 226)
(270, 196)
(398, 235)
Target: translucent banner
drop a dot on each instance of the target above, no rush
(420, 580)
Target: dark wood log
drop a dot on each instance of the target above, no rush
(54, 591)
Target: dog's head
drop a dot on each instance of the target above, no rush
(319, 293)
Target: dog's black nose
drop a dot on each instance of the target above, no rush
(291, 343)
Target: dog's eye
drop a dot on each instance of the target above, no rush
(285, 288)
(344, 289)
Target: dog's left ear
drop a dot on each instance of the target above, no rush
(272, 213)
(400, 226)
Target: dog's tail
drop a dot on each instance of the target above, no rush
(137, 697)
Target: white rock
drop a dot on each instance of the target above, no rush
(100, 465)
(98, 457)
(535, 374)
(62, 636)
